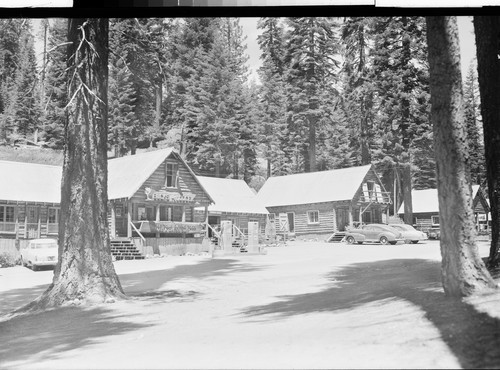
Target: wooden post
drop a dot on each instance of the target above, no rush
(183, 213)
(39, 221)
(334, 216)
(129, 219)
(351, 222)
(157, 220)
(206, 221)
(112, 226)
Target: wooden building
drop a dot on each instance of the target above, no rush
(234, 201)
(323, 202)
(30, 196)
(425, 204)
(151, 195)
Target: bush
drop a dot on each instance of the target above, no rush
(7, 260)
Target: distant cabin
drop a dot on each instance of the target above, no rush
(425, 206)
(319, 203)
(234, 201)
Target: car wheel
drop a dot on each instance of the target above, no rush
(34, 267)
(414, 241)
(383, 240)
(350, 240)
(393, 243)
(360, 242)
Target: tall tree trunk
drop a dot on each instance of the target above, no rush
(158, 106)
(463, 271)
(487, 31)
(85, 273)
(406, 183)
(312, 144)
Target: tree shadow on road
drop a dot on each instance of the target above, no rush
(15, 298)
(473, 336)
(139, 283)
(45, 335)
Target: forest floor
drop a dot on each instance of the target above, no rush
(305, 305)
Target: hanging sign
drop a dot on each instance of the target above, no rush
(171, 227)
(168, 196)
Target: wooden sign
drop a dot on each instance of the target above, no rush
(283, 222)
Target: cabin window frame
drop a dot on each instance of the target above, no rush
(171, 175)
(433, 220)
(312, 221)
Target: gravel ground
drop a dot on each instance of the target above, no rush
(305, 305)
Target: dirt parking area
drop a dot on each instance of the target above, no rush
(305, 305)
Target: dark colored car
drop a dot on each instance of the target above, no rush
(380, 233)
(434, 233)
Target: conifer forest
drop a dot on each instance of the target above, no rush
(331, 93)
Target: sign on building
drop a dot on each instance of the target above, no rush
(283, 222)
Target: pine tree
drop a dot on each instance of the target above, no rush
(273, 103)
(400, 76)
(24, 108)
(55, 85)
(357, 98)
(474, 126)
(463, 271)
(18, 84)
(311, 70)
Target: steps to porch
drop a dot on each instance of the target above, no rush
(336, 237)
(124, 249)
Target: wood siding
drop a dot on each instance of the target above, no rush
(186, 183)
(302, 226)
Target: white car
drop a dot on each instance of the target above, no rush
(40, 252)
(410, 233)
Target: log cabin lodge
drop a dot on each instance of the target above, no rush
(315, 204)
(152, 197)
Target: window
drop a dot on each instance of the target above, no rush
(435, 220)
(171, 175)
(7, 214)
(141, 213)
(165, 213)
(313, 217)
(53, 215)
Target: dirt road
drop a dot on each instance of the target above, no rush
(307, 305)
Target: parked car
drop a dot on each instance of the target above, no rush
(352, 237)
(381, 233)
(434, 233)
(40, 252)
(410, 233)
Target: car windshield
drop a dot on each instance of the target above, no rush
(43, 245)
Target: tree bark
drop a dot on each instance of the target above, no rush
(487, 31)
(85, 273)
(463, 272)
(406, 185)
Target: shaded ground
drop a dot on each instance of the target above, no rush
(309, 305)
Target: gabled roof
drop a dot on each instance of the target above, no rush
(313, 187)
(127, 174)
(33, 182)
(231, 196)
(426, 201)
(30, 182)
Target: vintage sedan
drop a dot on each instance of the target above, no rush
(39, 252)
(410, 233)
(380, 233)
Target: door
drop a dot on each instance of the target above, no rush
(342, 218)
(32, 221)
(291, 222)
